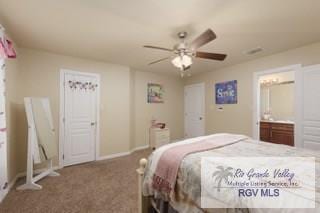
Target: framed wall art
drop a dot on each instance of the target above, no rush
(226, 92)
(155, 93)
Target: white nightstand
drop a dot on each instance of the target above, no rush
(159, 137)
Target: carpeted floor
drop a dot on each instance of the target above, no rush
(102, 186)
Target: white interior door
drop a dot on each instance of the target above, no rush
(308, 108)
(80, 117)
(3, 136)
(194, 109)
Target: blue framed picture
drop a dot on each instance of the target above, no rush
(226, 92)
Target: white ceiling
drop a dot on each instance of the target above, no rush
(115, 30)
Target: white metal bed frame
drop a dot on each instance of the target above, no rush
(143, 202)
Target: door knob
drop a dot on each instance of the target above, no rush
(5, 185)
(200, 118)
(93, 123)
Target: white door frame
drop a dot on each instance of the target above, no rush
(63, 72)
(202, 84)
(3, 159)
(299, 142)
(256, 95)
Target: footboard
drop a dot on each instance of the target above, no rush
(143, 203)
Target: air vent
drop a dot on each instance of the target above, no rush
(253, 51)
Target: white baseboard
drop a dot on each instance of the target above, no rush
(9, 187)
(139, 148)
(3, 195)
(37, 171)
(121, 154)
(20, 175)
(106, 157)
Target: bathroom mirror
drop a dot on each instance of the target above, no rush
(277, 101)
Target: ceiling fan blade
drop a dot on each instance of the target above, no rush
(159, 48)
(162, 59)
(214, 56)
(203, 39)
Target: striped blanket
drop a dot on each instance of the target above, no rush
(168, 158)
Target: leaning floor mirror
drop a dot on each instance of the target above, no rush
(42, 146)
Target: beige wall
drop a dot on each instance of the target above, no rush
(39, 72)
(125, 117)
(13, 111)
(238, 118)
(170, 112)
(125, 114)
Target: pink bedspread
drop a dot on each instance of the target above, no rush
(165, 175)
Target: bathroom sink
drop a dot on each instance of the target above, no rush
(279, 121)
(284, 121)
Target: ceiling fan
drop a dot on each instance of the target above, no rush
(185, 52)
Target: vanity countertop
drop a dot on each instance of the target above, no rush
(280, 122)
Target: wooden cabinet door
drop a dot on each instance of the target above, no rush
(264, 132)
(282, 137)
(277, 133)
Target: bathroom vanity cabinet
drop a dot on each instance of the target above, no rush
(278, 133)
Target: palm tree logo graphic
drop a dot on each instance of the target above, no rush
(222, 175)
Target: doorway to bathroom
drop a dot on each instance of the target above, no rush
(274, 105)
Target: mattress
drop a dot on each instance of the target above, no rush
(186, 197)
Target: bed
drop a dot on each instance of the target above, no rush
(186, 193)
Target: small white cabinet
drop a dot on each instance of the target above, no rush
(159, 137)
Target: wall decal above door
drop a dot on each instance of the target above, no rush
(226, 92)
(82, 85)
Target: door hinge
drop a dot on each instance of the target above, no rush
(63, 120)
(63, 156)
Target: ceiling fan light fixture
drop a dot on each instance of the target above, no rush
(182, 61)
(185, 52)
(177, 62)
(186, 61)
